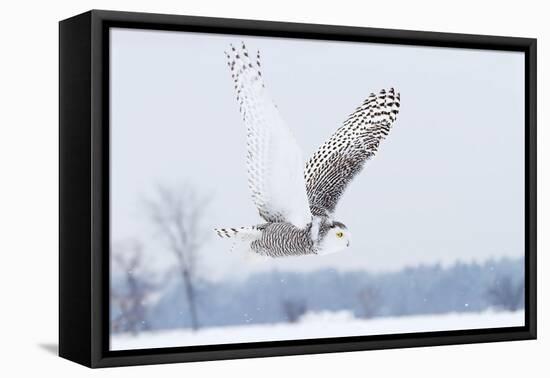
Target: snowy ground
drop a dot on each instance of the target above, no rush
(318, 325)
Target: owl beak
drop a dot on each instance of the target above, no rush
(347, 244)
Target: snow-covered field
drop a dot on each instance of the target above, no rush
(318, 325)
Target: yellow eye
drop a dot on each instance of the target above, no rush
(339, 234)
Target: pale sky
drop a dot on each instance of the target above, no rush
(446, 185)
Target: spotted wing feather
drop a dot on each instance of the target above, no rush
(340, 158)
(274, 159)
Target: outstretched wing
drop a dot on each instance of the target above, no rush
(340, 158)
(274, 159)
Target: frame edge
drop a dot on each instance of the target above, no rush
(531, 181)
(75, 306)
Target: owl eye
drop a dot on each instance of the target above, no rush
(339, 234)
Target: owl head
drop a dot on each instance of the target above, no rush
(335, 237)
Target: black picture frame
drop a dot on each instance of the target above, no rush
(84, 188)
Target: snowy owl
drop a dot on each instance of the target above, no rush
(297, 204)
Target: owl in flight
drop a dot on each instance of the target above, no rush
(297, 203)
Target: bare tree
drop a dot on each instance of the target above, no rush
(131, 295)
(177, 216)
(506, 294)
(294, 309)
(369, 300)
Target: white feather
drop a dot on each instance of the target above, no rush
(274, 160)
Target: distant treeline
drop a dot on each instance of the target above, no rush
(277, 296)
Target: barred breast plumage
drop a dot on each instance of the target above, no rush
(283, 239)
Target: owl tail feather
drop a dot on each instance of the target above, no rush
(245, 233)
(242, 237)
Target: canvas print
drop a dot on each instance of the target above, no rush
(269, 189)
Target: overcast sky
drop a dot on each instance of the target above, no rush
(446, 185)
